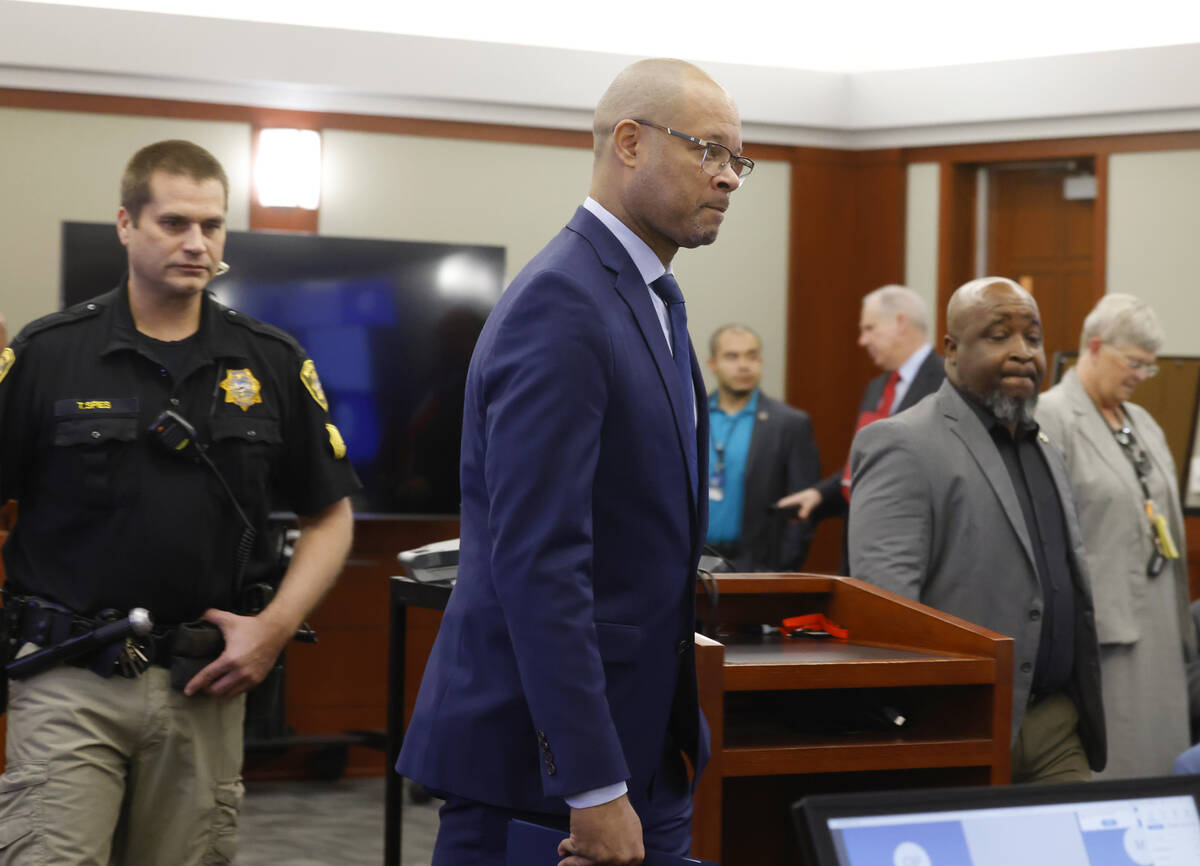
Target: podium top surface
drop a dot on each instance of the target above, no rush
(793, 651)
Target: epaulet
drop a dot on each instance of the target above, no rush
(250, 323)
(78, 313)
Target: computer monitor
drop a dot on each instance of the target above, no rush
(1139, 822)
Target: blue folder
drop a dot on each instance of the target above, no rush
(534, 845)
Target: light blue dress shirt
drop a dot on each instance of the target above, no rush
(728, 447)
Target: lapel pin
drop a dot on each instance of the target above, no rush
(1043, 438)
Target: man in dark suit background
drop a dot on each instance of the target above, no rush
(562, 685)
(759, 449)
(893, 327)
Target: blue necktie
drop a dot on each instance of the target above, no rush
(667, 289)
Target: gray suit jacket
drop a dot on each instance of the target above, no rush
(1119, 544)
(934, 517)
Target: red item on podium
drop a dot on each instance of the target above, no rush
(813, 622)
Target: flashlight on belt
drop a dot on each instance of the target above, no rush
(138, 624)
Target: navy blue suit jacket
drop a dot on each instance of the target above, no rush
(565, 655)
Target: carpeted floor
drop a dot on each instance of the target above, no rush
(327, 824)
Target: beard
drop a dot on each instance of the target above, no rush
(1011, 410)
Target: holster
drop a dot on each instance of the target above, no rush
(194, 645)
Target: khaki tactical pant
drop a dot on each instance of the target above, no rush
(119, 772)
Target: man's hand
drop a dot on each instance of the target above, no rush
(252, 644)
(606, 835)
(806, 501)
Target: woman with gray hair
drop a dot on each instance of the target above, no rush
(1126, 492)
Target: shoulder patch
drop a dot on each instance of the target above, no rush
(7, 359)
(312, 384)
(336, 443)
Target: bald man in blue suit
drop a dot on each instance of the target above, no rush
(562, 686)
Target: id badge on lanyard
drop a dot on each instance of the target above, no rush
(716, 476)
(1164, 544)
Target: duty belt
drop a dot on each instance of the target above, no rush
(45, 624)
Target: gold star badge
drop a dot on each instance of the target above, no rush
(241, 388)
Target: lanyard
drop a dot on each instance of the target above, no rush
(1136, 455)
(1160, 534)
(719, 447)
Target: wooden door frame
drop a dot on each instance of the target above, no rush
(957, 195)
(958, 221)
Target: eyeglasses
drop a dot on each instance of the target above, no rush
(1146, 368)
(716, 156)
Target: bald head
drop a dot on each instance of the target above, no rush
(654, 90)
(665, 138)
(994, 346)
(970, 299)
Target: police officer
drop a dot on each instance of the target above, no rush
(106, 763)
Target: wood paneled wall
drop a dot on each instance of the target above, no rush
(847, 238)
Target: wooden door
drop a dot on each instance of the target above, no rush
(1047, 243)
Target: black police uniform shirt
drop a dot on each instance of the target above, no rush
(108, 518)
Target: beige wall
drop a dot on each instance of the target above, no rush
(59, 166)
(921, 237)
(518, 196)
(1154, 238)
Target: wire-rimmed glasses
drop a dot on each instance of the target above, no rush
(716, 155)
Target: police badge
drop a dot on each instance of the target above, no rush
(7, 358)
(241, 388)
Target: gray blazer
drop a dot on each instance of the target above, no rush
(1119, 541)
(934, 517)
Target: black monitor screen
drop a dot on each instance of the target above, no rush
(390, 325)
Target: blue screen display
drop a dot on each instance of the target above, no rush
(390, 326)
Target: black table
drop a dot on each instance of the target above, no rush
(405, 593)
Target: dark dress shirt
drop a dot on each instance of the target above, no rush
(1046, 525)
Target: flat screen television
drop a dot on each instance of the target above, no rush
(390, 326)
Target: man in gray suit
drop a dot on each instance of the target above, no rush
(961, 504)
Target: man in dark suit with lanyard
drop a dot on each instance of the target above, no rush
(759, 448)
(893, 328)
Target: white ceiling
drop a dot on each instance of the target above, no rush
(859, 36)
(783, 62)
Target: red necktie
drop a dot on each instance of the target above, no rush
(882, 410)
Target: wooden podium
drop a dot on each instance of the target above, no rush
(795, 716)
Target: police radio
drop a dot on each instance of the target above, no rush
(175, 433)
